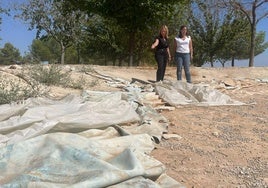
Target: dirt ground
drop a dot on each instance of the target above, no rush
(220, 146)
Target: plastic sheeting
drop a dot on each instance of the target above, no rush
(178, 93)
(98, 139)
(72, 114)
(94, 140)
(66, 159)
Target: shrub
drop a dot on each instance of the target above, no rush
(49, 74)
(16, 90)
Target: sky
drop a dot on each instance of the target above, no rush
(16, 32)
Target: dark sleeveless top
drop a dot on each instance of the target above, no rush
(163, 43)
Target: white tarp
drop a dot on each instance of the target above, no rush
(38, 116)
(67, 159)
(178, 93)
(99, 139)
(89, 141)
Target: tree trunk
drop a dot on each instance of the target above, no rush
(131, 47)
(211, 62)
(78, 54)
(252, 45)
(120, 61)
(232, 61)
(62, 53)
(252, 36)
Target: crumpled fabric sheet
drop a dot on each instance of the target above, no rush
(67, 159)
(177, 93)
(70, 115)
(80, 141)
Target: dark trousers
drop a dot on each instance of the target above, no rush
(161, 57)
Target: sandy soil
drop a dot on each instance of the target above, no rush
(223, 146)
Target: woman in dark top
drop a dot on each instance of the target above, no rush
(162, 53)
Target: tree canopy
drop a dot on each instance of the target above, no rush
(54, 21)
(131, 16)
(9, 54)
(122, 31)
(254, 11)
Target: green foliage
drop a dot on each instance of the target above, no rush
(130, 19)
(16, 90)
(15, 93)
(50, 75)
(254, 11)
(261, 45)
(28, 58)
(52, 20)
(3, 11)
(55, 75)
(235, 38)
(40, 51)
(47, 49)
(82, 83)
(219, 34)
(79, 84)
(33, 80)
(9, 54)
(72, 56)
(104, 39)
(118, 32)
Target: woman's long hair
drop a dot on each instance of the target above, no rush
(164, 27)
(181, 28)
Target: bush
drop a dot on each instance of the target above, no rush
(49, 74)
(14, 91)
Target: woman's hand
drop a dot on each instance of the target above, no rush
(155, 44)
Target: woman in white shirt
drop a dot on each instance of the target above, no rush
(183, 53)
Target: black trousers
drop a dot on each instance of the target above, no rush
(161, 57)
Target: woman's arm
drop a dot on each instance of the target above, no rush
(155, 44)
(169, 55)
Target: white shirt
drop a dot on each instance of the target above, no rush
(183, 44)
